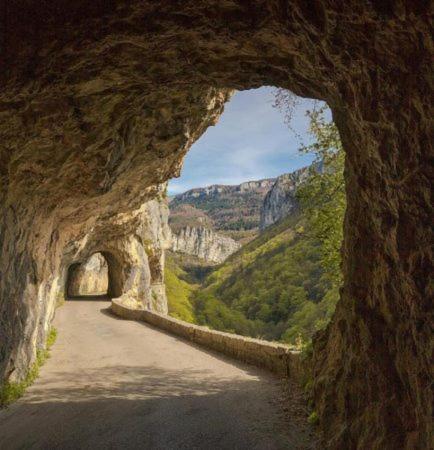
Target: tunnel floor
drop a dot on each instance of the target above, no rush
(114, 384)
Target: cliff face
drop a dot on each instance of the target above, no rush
(156, 236)
(281, 199)
(204, 243)
(256, 186)
(232, 209)
(101, 100)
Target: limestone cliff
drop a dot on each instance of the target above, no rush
(281, 199)
(233, 209)
(204, 243)
(218, 189)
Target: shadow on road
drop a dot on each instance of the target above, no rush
(90, 298)
(149, 408)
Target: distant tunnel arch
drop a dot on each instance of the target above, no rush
(100, 275)
(89, 278)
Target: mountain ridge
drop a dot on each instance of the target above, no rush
(213, 189)
(231, 210)
(240, 211)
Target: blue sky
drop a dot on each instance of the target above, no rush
(249, 142)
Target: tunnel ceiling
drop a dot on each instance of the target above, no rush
(101, 100)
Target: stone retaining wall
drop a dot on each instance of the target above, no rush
(277, 358)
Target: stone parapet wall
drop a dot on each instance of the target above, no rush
(277, 358)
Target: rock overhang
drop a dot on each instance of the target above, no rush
(101, 101)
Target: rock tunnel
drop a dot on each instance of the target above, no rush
(101, 100)
(88, 279)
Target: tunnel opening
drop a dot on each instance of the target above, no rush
(102, 275)
(89, 279)
(258, 227)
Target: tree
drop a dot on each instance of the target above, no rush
(323, 201)
(322, 196)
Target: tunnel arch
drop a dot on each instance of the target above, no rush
(115, 273)
(89, 278)
(109, 129)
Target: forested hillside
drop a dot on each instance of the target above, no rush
(284, 284)
(274, 288)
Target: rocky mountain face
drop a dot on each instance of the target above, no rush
(204, 220)
(257, 186)
(207, 222)
(281, 199)
(204, 243)
(233, 210)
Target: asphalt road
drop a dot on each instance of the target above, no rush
(116, 384)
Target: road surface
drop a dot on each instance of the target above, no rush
(118, 384)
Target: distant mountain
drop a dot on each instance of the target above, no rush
(232, 210)
(185, 215)
(224, 189)
(273, 286)
(206, 221)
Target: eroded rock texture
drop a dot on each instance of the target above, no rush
(99, 103)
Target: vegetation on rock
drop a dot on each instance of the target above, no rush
(323, 197)
(178, 291)
(12, 391)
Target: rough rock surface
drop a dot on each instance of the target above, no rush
(281, 199)
(89, 278)
(204, 243)
(101, 100)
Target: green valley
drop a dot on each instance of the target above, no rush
(273, 288)
(284, 284)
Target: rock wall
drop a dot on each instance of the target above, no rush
(281, 199)
(101, 100)
(157, 239)
(89, 278)
(133, 245)
(204, 243)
